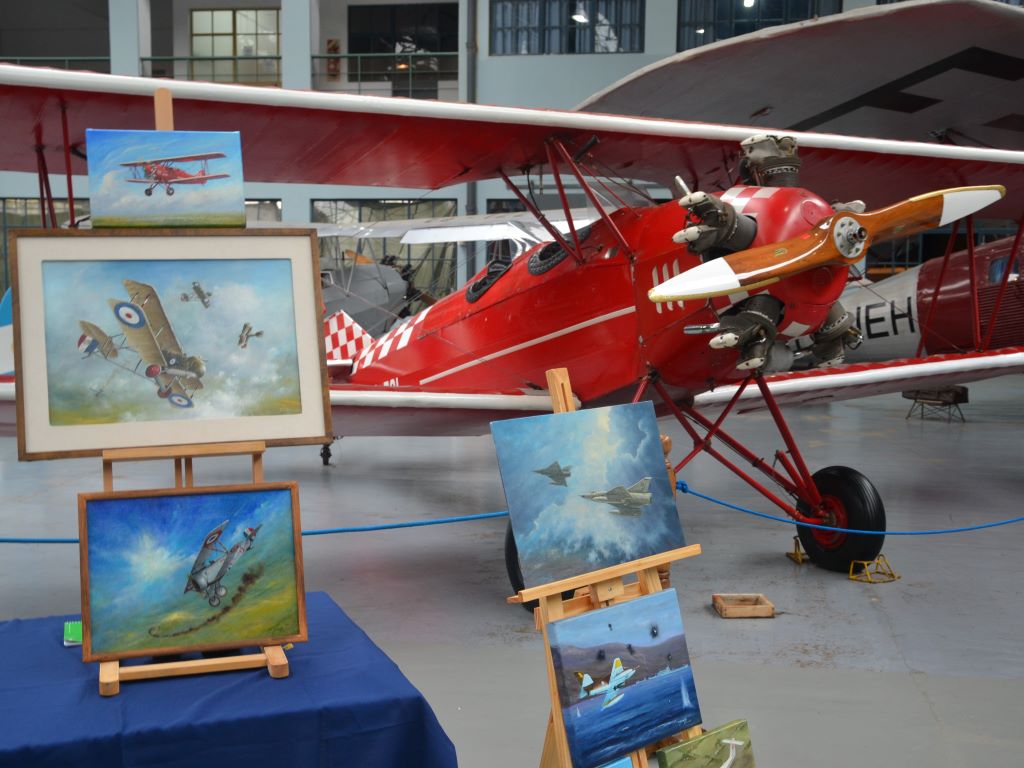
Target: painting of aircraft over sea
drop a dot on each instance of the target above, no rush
(199, 173)
(623, 676)
(604, 498)
(138, 548)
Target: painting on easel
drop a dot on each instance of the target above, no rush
(586, 490)
(165, 178)
(190, 569)
(727, 746)
(624, 678)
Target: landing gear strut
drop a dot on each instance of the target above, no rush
(325, 454)
(837, 497)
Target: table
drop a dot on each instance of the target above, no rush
(345, 703)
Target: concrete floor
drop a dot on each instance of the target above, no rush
(926, 671)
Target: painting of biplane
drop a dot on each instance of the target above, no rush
(190, 569)
(134, 339)
(165, 179)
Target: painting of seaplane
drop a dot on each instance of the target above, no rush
(199, 173)
(146, 331)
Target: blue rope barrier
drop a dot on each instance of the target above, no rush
(317, 532)
(682, 486)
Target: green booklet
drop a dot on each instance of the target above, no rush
(72, 633)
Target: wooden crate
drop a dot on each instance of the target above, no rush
(743, 606)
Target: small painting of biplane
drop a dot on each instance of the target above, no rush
(198, 293)
(199, 173)
(146, 331)
(235, 549)
(167, 171)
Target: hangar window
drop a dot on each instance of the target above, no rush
(566, 26)
(236, 46)
(705, 21)
(19, 212)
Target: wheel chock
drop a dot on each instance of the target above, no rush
(798, 556)
(877, 571)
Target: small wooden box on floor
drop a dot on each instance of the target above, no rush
(743, 606)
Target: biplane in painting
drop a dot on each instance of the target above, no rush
(146, 331)
(644, 302)
(214, 561)
(166, 171)
(198, 293)
(246, 334)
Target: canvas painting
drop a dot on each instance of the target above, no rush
(624, 678)
(727, 746)
(165, 178)
(190, 569)
(141, 340)
(586, 490)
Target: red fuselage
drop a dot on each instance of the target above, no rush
(594, 317)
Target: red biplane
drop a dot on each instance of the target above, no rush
(166, 173)
(581, 299)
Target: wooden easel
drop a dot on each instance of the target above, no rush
(591, 591)
(272, 656)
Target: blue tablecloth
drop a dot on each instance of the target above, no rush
(344, 704)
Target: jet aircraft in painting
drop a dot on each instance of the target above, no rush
(214, 561)
(164, 172)
(198, 293)
(147, 332)
(555, 473)
(627, 501)
(246, 334)
(609, 688)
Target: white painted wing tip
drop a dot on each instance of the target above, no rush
(715, 278)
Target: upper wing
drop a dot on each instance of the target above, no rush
(209, 546)
(196, 179)
(847, 382)
(326, 138)
(182, 159)
(156, 319)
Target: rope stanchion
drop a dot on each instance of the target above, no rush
(316, 532)
(682, 486)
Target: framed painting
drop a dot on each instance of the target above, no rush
(143, 338)
(190, 569)
(586, 490)
(623, 677)
(165, 178)
(727, 746)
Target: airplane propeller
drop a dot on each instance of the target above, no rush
(840, 239)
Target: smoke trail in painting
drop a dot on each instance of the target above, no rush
(249, 578)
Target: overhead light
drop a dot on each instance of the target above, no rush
(700, 31)
(749, 3)
(580, 17)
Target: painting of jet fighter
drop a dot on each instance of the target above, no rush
(214, 561)
(147, 332)
(627, 501)
(610, 687)
(198, 294)
(246, 334)
(556, 473)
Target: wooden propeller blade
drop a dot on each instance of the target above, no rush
(840, 239)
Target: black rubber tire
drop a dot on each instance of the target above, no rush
(515, 572)
(864, 510)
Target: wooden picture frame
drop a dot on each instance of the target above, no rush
(222, 325)
(138, 548)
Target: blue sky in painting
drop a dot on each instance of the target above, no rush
(630, 623)
(141, 551)
(111, 195)
(559, 533)
(257, 291)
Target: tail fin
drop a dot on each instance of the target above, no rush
(641, 486)
(617, 666)
(6, 334)
(344, 338)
